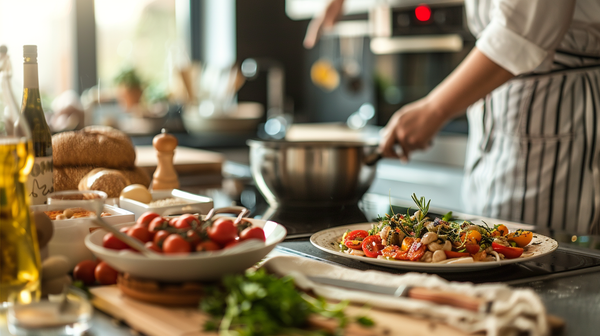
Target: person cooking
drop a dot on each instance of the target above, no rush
(531, 90)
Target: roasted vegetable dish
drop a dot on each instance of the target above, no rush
(418, 237)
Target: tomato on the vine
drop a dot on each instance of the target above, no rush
(208, 245)
(146, 218)
(372, 246)
(111, 242)
(153, 247)
(174, 243)
(157, 224)
(186, 221)
(141, 233)
(193, 237)
(222, 231)
(160, 237)
(355, 238)
(253, 233)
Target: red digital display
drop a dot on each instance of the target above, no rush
(423, 13)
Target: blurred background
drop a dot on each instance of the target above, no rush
(218, 72)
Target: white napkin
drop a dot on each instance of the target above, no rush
(513, 310)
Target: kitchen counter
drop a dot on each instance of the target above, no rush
(573, 295)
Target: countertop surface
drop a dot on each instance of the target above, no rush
(573, 295)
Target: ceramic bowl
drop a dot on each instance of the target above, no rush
(197, 266)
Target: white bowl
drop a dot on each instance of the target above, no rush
(69, 234)
(196, 266)
(197, 203)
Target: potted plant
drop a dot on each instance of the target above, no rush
(129, 88)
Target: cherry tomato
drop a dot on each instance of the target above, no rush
(472, 236)
(157, 224)
(193, 237)
(521, 237)
(417, 250)
(500, 230)
(509, 252)
(111, 242)
(153, 247)
(232, 243)
(355, 238)
(253, 233)
(160, 237)
(146, 218)
(105, 274)
(394, 252)
(222, 231)
(176, 244)
(84, 272)
(186, 221)
(208, 245)
(140, 232)
(472, 248)
(453, 254)
(372, 246)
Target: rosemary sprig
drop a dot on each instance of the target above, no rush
(423, 207)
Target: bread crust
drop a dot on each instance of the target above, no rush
(68, 178)
(97, 146)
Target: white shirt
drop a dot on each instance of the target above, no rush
(523, 35)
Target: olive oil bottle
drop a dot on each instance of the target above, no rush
(41, 181)
(19, 252)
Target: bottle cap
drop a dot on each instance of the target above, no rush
(29, 51)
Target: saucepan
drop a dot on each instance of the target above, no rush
(313, 173)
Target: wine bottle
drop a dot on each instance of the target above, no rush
(41, 180)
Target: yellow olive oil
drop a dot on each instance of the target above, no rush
(19, 253)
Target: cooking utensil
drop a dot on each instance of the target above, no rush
(312, 173)
(419, 293)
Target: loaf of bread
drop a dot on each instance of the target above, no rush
(68, 178)
(111, 181)
(96, 146)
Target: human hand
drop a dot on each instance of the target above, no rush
(412, 127)
(322, 23)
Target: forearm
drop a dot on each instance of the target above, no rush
(475, 77)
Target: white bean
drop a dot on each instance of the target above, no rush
(447, 246)
(438, 256)
(429, 237)
(427, 257)
(435, 246)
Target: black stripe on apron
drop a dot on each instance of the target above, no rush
(585, 151)
(593, 145)
(570, 183)
(514, 181)
(557, 151)
(543, 149)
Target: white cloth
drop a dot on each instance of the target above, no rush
(522, 35)
(513, 310)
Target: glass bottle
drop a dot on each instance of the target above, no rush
(41, 181)
(19, 253)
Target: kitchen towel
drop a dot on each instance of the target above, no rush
(513, 311)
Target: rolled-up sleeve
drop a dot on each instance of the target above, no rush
(523, 34)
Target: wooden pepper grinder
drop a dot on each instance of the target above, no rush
(165, 176)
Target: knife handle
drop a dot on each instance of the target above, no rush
(447, 298)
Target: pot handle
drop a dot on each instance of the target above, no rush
(373, 158)
(241, 211)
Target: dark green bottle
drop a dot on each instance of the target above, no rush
(41, 180)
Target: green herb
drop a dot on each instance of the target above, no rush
(447, 217)
(365, 321)
(423, 207)
(258, 303)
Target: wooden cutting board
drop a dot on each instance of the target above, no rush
(154, 320)
(187, 161)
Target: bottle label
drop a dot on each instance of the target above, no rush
(41, 180)
(30, 76)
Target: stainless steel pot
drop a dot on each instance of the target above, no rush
(312, 173)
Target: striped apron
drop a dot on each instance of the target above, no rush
(533, 148)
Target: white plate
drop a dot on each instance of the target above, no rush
(328, 240)
(196, 266)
